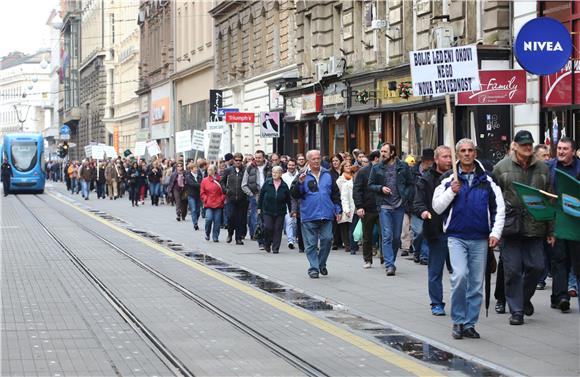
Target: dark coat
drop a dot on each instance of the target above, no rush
(274, 202)
(154, 177)
(231, 182)
(363, 197)
(193, 185)
(7, 172)
(404, 181)
(432, 228)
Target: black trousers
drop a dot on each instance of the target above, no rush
(369, 221)
(273, 226)
(561, 260)
(299, 234)
(6, 185)
(238, 219)
(523, 264)
(499, 292)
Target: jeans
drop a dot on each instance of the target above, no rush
(391, 221)
(154, 189)
(213, 216)
(290, 228)
(438, 252)
(74, 188)
(313, 233)
(523, 264)
(253, 215)
(85, 188)
(468, 259)
(100, 190)
(194, 205)
(419, 245)
(227, 212)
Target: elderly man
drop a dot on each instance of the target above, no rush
(319, 206)
(255, 175)
(523, 244)
(473, 218)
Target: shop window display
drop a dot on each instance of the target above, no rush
(418, 131)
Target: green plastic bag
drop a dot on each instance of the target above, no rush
(358, 232)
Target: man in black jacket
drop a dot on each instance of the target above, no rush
(365, 202)
(231, 183)
(433, 226)
(7, 175)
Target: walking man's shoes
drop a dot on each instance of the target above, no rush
(313, 274)
(471, 333)
(500, 307)
(457, 331)
(516, 319)
(528, 309)
(323, 271)
(391, 271)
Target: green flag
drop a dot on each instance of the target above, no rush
(568, 209)
(536, 203)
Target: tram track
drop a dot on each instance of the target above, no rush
(271, 345)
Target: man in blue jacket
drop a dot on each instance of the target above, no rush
(393, 184)
(319, 206)
(473, 218)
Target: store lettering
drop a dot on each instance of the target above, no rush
(542, 46)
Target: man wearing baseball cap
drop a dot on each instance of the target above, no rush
(523, 237)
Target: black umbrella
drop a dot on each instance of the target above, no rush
(491, 267)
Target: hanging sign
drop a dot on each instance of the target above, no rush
(444, 71)
(240, 118)
(270, 124)
(502, 87)
(183, 141)
(543, 46)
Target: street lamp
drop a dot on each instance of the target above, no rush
(19, 116)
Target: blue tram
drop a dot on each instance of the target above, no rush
(25, 152)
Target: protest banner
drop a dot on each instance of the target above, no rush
(153, 148)
(140, 148)
(183, 141)
(215, 140)
(198, 140)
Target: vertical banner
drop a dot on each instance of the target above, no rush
(270, 124)
(215, 103)
(116, 139)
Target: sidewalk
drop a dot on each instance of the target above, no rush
(548, 344)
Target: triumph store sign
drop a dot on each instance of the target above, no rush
(501, 87)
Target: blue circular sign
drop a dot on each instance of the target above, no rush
(543, 46)
(65, 130)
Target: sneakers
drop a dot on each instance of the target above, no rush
(391, 271)
(471, 333)
(500, 307)
(261, 247)
(437, 310)
(541, 286)
(572, 292)
(313, 274)
(367, 265)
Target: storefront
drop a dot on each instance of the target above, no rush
(303, 121)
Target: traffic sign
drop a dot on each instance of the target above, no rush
(543, 46)
(223, 110)
(240, 118)
(65, 130)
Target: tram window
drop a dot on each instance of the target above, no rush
(24, 155)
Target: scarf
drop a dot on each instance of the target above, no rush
(347, 176)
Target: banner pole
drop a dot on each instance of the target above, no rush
(451, 129)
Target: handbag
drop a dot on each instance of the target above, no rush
(513, 221)
(258, 232)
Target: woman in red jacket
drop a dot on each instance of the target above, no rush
(213, 200)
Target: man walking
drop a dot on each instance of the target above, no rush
(392, 183)
(365, 202)
(6, 175)
(231, 183)
(320, 205)
(473, 220)
(433, 226)
(254, 177)
(290, 219)
(522, 250)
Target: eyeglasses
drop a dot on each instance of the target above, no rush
(237, 160)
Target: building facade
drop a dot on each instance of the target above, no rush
(194, 66)
(24, 92)
(156, 65)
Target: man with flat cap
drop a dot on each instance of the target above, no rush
(523, 237)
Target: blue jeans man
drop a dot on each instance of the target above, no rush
(314, 232)
(438, 252)
(468, 259)
(213, 216)
(85, 189)
(253, 219)
(290, 229)
(391, 221)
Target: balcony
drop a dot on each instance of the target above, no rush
(72, 114)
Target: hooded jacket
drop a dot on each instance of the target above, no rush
(476, 212)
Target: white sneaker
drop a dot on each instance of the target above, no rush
(367, 265)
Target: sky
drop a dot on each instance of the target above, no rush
(23, 25)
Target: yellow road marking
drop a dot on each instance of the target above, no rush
(366, 345)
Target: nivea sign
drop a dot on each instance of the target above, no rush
(543, 46)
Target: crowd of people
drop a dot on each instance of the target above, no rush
(383, 203)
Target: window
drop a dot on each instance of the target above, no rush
(418, 131)
(339, 129)
(307, 45)
(375, 132)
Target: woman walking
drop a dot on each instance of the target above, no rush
(193, 192)
(133, 174)
(154, 176)
(178, 192)
(273, 205)
(213, 200)
(345, 185)
(335, 172)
